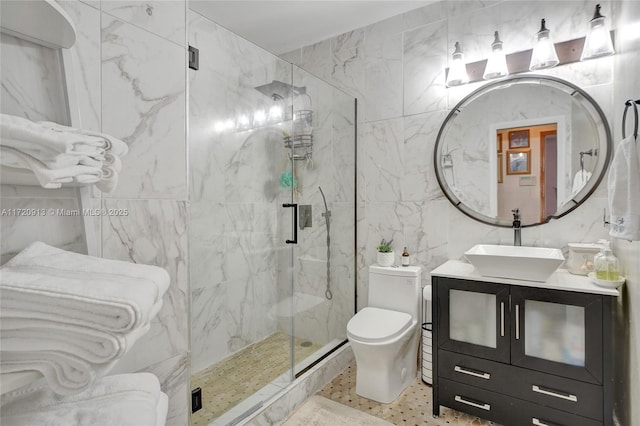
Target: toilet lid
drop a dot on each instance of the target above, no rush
(375, 324)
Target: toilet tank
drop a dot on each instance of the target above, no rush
(398, 289)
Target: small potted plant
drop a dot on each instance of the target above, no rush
(385, 253)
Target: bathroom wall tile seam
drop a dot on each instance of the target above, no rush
(139, 27)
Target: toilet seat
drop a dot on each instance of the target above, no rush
(375, 324)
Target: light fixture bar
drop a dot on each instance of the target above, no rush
(518, 62)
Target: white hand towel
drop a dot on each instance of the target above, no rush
(79, 173)
(125, 399)
(114, 145)
(29, 135)
(579, 181)
(98, 301)
(624, 191)
(43, 255)
(91, 345)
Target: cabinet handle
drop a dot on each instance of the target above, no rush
(463, 370)
(517, 322)
(568, 396)
(538, 422)
(501, 319)
(485, 407)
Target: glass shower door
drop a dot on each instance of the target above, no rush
(323, 269)
(240, 265)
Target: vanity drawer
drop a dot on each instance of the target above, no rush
(569, 395)
(505, 409)
(478, 402)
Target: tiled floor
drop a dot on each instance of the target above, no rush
(236, 378)
(413, 407)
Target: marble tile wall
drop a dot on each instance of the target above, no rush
(398, 195)
(241, 291)
(119, 50)
(627, 338)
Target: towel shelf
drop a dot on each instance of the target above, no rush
(42, 22)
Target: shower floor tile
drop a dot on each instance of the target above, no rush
(413, 406)
(236, 378)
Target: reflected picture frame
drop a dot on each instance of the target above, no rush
(500, 178)
(519, 162)
(519, 139)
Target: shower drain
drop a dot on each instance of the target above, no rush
(306, 344)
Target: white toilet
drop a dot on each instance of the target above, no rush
(384, 336)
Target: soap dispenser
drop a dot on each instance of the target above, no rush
(606, 264)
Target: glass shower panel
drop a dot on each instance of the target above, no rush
(241, 268)
(323, 145)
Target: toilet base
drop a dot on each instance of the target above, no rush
(382, 379)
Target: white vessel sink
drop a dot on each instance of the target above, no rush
(520, 263)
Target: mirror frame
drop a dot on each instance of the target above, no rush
(571, 89)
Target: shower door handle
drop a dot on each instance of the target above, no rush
(295, 222)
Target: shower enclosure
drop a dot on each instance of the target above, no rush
(272, 221)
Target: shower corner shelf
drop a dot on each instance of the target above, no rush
(301, 142)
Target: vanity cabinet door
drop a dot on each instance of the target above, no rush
(473, 318)
(557, 332)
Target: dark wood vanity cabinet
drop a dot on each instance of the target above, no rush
(522, 355)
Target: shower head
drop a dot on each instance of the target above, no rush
(277, 89)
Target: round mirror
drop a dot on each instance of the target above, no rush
(534, 143)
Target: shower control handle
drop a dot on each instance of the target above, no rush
(295, 222)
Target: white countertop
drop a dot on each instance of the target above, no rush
(560, 280)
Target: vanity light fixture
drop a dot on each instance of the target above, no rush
(457, 72)
(544, 51)
(598, 41)
(497, 62)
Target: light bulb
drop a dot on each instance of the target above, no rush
(458, 70)
(229, 124)
(275, 113)
(219, 127)
(259, 117)
(243, 122)
(544, 51)
(598, 41)
(497, 62)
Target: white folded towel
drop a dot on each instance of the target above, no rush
(124, 399)
(91, 345)
(66, 374)
(98, 301)
(56, 160)
(109, 180)
(624, 191)
(162, 409)
(25, 135)
(579, 181)
(46, 256)
(84, 174)
(113, 145)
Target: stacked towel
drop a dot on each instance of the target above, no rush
(59, 154)
(624, 190)
(124, 399)
(71, 316)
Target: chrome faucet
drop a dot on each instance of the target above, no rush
(517, 228)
